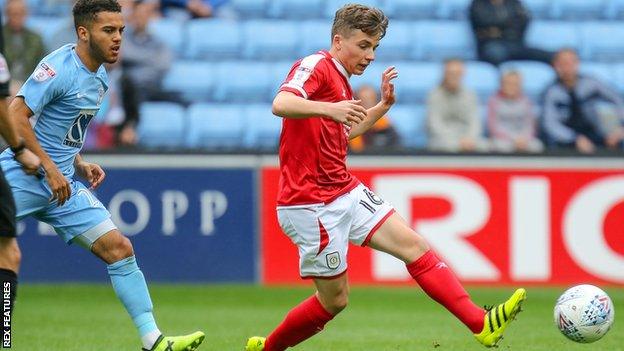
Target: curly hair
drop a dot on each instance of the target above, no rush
(85, 11)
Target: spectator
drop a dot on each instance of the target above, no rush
(23, 47)
(145, 58)
(382, 136)
(580, 111)
(187, 9)
(116, 123)
(453, 114)
(511, 117)
(499, 27)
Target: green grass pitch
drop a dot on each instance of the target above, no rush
(89, 318)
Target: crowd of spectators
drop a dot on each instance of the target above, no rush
(575, 112)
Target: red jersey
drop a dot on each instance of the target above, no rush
(313, 151)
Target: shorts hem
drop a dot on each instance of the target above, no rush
(323, 277)
(376, 227)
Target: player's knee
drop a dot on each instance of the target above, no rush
(338, 301)
(413, 247)
(10, 254)
(122, 248)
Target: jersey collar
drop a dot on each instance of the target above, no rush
(337, 64)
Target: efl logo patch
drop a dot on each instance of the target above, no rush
(333, 260)
(44, 72)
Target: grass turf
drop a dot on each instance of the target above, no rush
(89, 317)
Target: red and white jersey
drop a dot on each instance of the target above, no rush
(313, 151)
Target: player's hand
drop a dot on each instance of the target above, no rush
(347, 112)
(92, 172)
(61, 190)
(29, 161)
(387, 87)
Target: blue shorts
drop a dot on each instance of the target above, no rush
(82, 214)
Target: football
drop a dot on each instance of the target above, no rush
(584, 313)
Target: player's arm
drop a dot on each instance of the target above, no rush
(288, 105)
(92, 172)
(29, 161)
(20, 113)
(374, 113)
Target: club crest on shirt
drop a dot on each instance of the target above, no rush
(43, 72)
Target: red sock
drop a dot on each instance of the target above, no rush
(439, 282)
(301, 323)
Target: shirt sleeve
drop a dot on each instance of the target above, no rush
(43, 86)
(304, 78)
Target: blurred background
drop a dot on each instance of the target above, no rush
(505, 147)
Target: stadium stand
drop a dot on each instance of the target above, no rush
(163, 124)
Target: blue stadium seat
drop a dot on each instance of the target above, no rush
(242, 81)
(193, 80)
(578, 9)
(45, 26)
(170, 32)
(269, 40)
(372, 76)
(214, 39)
(410, 122)
(539, 9)
(416, 80)
(398, 43)
(614, 9)
(216, 126)
(279, 72)
(263, 129)
(410, 9)
(553, 35)
(163, 124)
(602, 41)
(604, 72)
(250, 8)
(315, 36)
(60, 8)
(333, 6)
(296, 9)
(454, 9)
(535, 76)
(618, 70)
(481, 77)
(439, 40)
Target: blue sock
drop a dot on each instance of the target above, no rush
(129, 285)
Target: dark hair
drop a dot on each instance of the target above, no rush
(85, 11)
(369, 20)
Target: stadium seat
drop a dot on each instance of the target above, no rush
(269, 40)
(296, 9)
(45, 26)
(481, 77)
(59, 8)
(410, 9)
(553, 35)
(416, 80)
(602, 41)
(410, 122)
(278, 73)
(578, 9)
(250, 8)
(214, 39)
(398, 42)
(539, 9)
(439, 40)
(162, 124)
(371, 76)
(602, 71)
(170, 32)
(193, 80)
(242, 81)
(263, 129)
(618, 70)
(614, 9)
(315, 36)
(536, 76)
(454, 9)
(216, 126)
(332, 6)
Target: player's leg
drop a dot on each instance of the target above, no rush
(83, 220)
(321, 234)
(395, 237)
